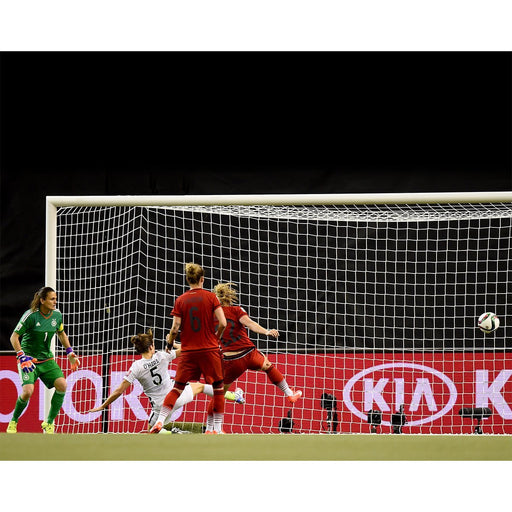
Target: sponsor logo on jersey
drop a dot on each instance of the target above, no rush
(38, 324)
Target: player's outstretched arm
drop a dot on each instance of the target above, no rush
(172, 345)
(256, 327)
(113, 396)
(73, 360)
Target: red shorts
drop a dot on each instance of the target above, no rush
(234, 366)
(206, 362)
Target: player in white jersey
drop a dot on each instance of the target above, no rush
(152, 373)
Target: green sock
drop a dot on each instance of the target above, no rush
(55, 405)
(19, 408)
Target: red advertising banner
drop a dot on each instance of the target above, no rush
(430, 387)
(83, 388)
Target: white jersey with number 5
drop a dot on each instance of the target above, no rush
(153, 374)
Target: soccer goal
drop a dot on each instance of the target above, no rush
(376, 298)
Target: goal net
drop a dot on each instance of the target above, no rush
(376, 305)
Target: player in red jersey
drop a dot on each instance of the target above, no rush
(194, 313)
(240, 353)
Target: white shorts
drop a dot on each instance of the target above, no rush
(186, 397)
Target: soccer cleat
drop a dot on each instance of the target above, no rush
(12, 427)
(176, 430)
(48, 428)
(229, 395)
(239, 396)
(293, 398)
(156, 428)
(209, 432)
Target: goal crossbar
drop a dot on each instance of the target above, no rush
(284, 199)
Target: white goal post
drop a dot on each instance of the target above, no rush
(375, 296)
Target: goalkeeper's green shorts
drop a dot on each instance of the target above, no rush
(48, 372)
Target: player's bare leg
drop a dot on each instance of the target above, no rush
(277, 378)
(167, 407)
(236, 396)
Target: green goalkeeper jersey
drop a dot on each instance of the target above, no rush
(36, 332)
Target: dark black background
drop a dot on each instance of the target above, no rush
(238, 123)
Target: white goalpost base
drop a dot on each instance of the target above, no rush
(376, 297)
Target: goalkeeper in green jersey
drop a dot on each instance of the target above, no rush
(31, 340)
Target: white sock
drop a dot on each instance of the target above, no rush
(209, 423)
(217, 422)
(208, 389)
(164, 412)
(186, 396)
(283, 386)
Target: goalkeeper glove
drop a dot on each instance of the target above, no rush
(26, 362)
(73, 360)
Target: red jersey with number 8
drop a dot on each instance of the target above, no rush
(196, 309)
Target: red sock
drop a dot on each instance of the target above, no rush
(171, 398)
(274, 375)
(210, 407)
(218, 401)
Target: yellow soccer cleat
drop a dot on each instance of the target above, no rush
(237, 396)
(12, 427)
(48, 428)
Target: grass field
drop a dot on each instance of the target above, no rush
(364, 447)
